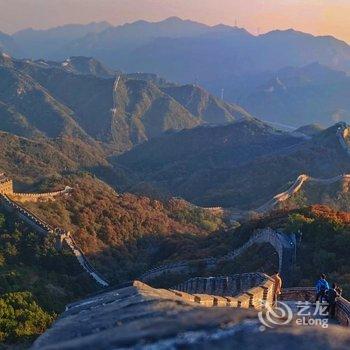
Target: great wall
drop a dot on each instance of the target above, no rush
(203, 313)
(343, 132)
(284, 244)
(6, 187)
(9, 200)
(249, 291)
(115, 95)
(296, 187)
(279, 198)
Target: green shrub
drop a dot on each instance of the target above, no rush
(21, 318)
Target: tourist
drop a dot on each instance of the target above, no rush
(278, 285)
(321, 287)
(331, 296)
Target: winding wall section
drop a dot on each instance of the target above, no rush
(35, 197)
(44, 228)
(284, 244)
(297, 185)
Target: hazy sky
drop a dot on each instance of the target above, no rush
(314, 16)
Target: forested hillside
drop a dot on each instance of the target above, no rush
(334, 194)
(36, 281)
(324, 243)
(81, 100)
(123, 234)
(242, 165)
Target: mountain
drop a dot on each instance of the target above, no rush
(79, 97)
(309, 130)
(205, 106)
(13, 121)
(28, 160)
(78, 65)
(333, 193)
(123, 234)
(37, 281)
(115, 44)
(87, 65)
(242, 165)
(183, 50)
(41, 110)
(8, 45)
(284, 76)
(145, 110)
(30, 109)
(39, 44)
(295, 96)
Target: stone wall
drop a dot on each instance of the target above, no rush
(31, 219)
(250, 290)
(61, 235)
(343, 133)
(83, 261)
(37, 197)
(224, 286)
(342, 310)
(298, 293)
(285, 246)
(6, 186)
(140, 317)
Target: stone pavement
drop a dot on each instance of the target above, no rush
(141, 317)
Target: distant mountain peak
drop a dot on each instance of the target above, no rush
(174, 19)
(30, 30)
(310, 129)
(289, 32)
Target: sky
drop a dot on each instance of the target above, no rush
(319, 17)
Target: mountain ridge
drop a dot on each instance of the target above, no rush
(309, 94)
(240, 165)
(75, 93)
(38, 43)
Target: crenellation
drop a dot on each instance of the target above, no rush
(10, 202)
(284, 244)
(6, 188)
(6, 184)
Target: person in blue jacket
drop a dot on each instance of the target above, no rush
(321, 287)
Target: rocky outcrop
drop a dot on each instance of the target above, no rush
(140, 317)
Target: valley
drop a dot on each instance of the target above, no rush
(241, 167)
(120, 165)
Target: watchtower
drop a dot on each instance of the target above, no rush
(6, 184)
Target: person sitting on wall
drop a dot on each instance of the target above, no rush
(331, 296)
(278, 285)
(321, 287)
